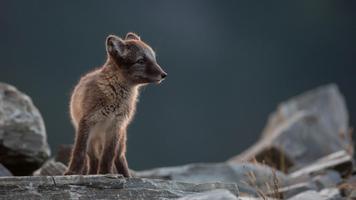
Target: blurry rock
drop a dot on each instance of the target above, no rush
(326, 194)
(51, 168)
(328, 179)
(252, 198)
(291, 190)
(348, 188)
(331, 194)
(352, 195)
(316, 180)
(307, 195)
(219, 194)
(63, 153)
(4, 171)
(23, 141)
(339, 161)
(102, 187)
(251, 178)
(302, 130)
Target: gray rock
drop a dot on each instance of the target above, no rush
(348, 188)
(302, 130)
(101, 187)
(291, 190)
(220, 194)
(327, 179)
(51, 168)
(250, 178)
(23, 142)
(352, 195)
(307, 195)
(326, 194)
(331, 194)
(4, 171)
(339, 161)
(315, 181)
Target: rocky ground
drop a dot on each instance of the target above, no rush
(305, 152)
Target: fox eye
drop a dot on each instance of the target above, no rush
(140, 61)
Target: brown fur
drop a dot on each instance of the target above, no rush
(103, 104)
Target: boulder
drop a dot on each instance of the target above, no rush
(104, 187)
(291, 190)
(4, 171)
(250, 178)
(302, 130)
(23, 140)
(348, 188)
(326, 194)
(51, 168)
(339, 161)
(328, 179)
(220, 194)
(316, 181)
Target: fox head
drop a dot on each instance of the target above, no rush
(135, 59)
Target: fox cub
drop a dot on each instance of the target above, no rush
(103, 104)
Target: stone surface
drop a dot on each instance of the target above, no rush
(4, 171)
(339, 161)
(331, 194)
(101, 187)
(302, 130)
(251, 178)
(219, 194)
(326, 194)
(291, 190)
(328, 179)
(352, 195)
(23, 141)
(315, 181)
(51, 168)
(348, 188)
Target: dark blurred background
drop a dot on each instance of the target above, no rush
(229, 64)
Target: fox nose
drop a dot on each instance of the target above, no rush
(164, 75)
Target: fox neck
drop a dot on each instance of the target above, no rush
(112, 77)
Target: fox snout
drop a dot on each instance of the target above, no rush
(158, 74)
(162, 73)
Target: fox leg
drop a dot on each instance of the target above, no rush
(78, 157)
(108, 153)
(120, 160)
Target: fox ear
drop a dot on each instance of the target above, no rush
(132, 36)
(115, 46)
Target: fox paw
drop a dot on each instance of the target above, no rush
(68, 172)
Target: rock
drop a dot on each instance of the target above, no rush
(352, 195)
(348, 188)
(307, 195)
(328, 179)
(291, 190)
(339, 161)
(314, 181)
(253, 198)
(51, 168)
(4, 171)
(331, 194)
(250, 178)
(326, 194)
(101, 187)
(302, 130)
(23, 140)
(220, 194)
(63, 153)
